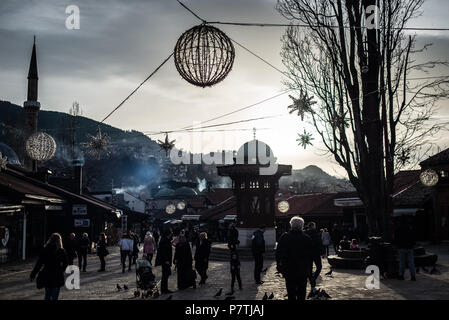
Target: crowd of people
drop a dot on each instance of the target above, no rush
(299, 255)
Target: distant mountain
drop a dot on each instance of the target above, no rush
(313, 179)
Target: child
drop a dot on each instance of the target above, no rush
(235, 270)
(354, 244)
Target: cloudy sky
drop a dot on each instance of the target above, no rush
(120, 43)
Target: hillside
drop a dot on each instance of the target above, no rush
(313, 179)
(134, 159)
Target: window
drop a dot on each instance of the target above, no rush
(266, 185)
(254, 184)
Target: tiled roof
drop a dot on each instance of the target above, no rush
(218, 212)
(405, 179)
(218, 195)
(24, 187)
(22, 178)
(437, 159)
(312, 204)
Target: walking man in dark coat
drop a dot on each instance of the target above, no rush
(164, 258)
(70, 248)
(233, 237)
(258, 249)
(404, 241)
(294, 259)
(83, 248)
(202, 253)
(317, 249)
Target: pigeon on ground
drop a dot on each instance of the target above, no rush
(329, 273)
(230, 298)
(118, 287)
(218, 293)
(271, 296)
(169, 297)
(265, 296)
(125, 287)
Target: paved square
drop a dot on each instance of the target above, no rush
(343, 285)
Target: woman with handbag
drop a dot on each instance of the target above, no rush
(53, 262)
(183, 262)
(149, 246)
(102, 251)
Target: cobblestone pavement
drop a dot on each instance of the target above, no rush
(344, 284)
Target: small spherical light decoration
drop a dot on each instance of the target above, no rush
(181, 205)
(283, 206)
(429, 178)
(204, 55)
(170, 209)
(40, 146)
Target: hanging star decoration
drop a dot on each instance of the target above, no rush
(302, 105)
(404, 158)
(98, 144)
(304, 139)
(339, 121)
(166, 145)
(3, 162)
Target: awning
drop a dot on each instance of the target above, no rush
(191, 217)
(348, 202)
(173, 221)
(4, 208)
(406, 211)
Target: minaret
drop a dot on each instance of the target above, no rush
(31, 106)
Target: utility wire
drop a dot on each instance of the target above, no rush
(265, 24)
(138, 87)
(215, 125)
(242, 109)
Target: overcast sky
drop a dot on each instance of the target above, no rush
(119, 44)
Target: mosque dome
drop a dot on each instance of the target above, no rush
(5, 150)
(254, 152)
(185, 192)
(165, 193)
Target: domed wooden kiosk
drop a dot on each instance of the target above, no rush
(255, 178)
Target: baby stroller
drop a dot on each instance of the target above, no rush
(145, 279)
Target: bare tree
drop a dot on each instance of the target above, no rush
(70, 129)
(356, 58)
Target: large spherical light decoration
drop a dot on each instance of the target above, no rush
(204, 55)
(429, 178)
(40, 146)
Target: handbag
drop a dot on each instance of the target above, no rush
(40, 280)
